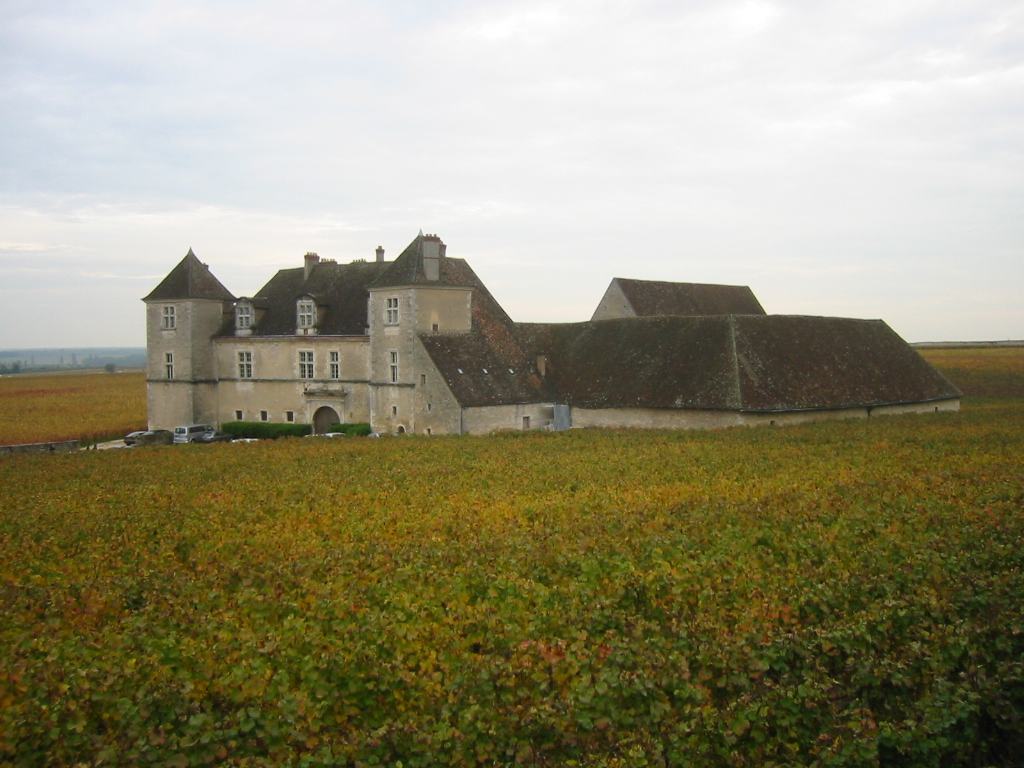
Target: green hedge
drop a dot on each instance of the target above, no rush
(352, 430)
(265, 430)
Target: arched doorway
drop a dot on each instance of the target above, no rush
(323, 418)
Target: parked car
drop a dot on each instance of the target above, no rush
(149, 437)
(213, 436)
(133, 437)
(189, 432)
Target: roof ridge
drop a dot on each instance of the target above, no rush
(679, 282)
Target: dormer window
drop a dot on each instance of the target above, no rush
(168, 320)
(243, 316)
(307, 313)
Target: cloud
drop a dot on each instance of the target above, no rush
(22, 248)
(707, 140)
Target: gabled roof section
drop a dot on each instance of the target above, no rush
(796, 362)
(408, 269)
(340, 289)
(751, 363)
(480, 371)
(654, 297)
(655, 362)
(190, 279)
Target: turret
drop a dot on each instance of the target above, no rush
(183, 314)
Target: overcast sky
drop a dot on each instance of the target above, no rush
(862, 159)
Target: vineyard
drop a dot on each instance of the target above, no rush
(70, 406)
(844, 593)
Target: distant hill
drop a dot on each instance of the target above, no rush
(70, 358)
(959, 344)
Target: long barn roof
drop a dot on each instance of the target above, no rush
(750, 363)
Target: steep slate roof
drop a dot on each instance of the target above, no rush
(489, 365)
(480, 372)
(790, 362)
(657, 362)
(748, 363)
(190, 279)
(340, 288)
(652, 297)
(407, 269)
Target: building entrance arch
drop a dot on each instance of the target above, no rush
(323, 418)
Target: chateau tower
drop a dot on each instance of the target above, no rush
(421, 292)
(183, 313)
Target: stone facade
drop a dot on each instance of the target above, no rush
(398, 366)
(613, 304)
(419, 346)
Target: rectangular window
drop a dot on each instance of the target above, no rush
(243, 316)
(289, 416)
(526, 422)
(306, 365)
(391, 311)
(263, 415)
(394, 410)
(168, 321)
(434, 327)
(238, 415)
(429, 406)
(423, 379)
(393, 366)
(169, 365)
(335, 365)
(245, 365)
(307, 313)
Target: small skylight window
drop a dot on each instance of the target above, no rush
(484, 370)
(511, 370)
(459, 370)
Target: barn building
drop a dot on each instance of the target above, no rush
(419, 345)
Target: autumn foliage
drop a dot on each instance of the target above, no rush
(844, 593)
(70, 406)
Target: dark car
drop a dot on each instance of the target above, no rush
(213, 436)
(149, 437)
(133, 437)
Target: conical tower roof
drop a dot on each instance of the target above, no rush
(190, 279)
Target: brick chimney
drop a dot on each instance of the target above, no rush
(310, 260)
(380, 253)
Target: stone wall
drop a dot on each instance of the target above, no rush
(653, 418)
(191, 397)
(63, 446)
(276, 358)
(494, 418)
(613, 304)
(169, 403)
(398, 406)
(435, 408)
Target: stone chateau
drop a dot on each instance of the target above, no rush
(419, 345)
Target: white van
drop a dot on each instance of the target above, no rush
(189, 432)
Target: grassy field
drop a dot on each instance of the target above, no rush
(830, 594)
(69, 406)
(981, 371)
